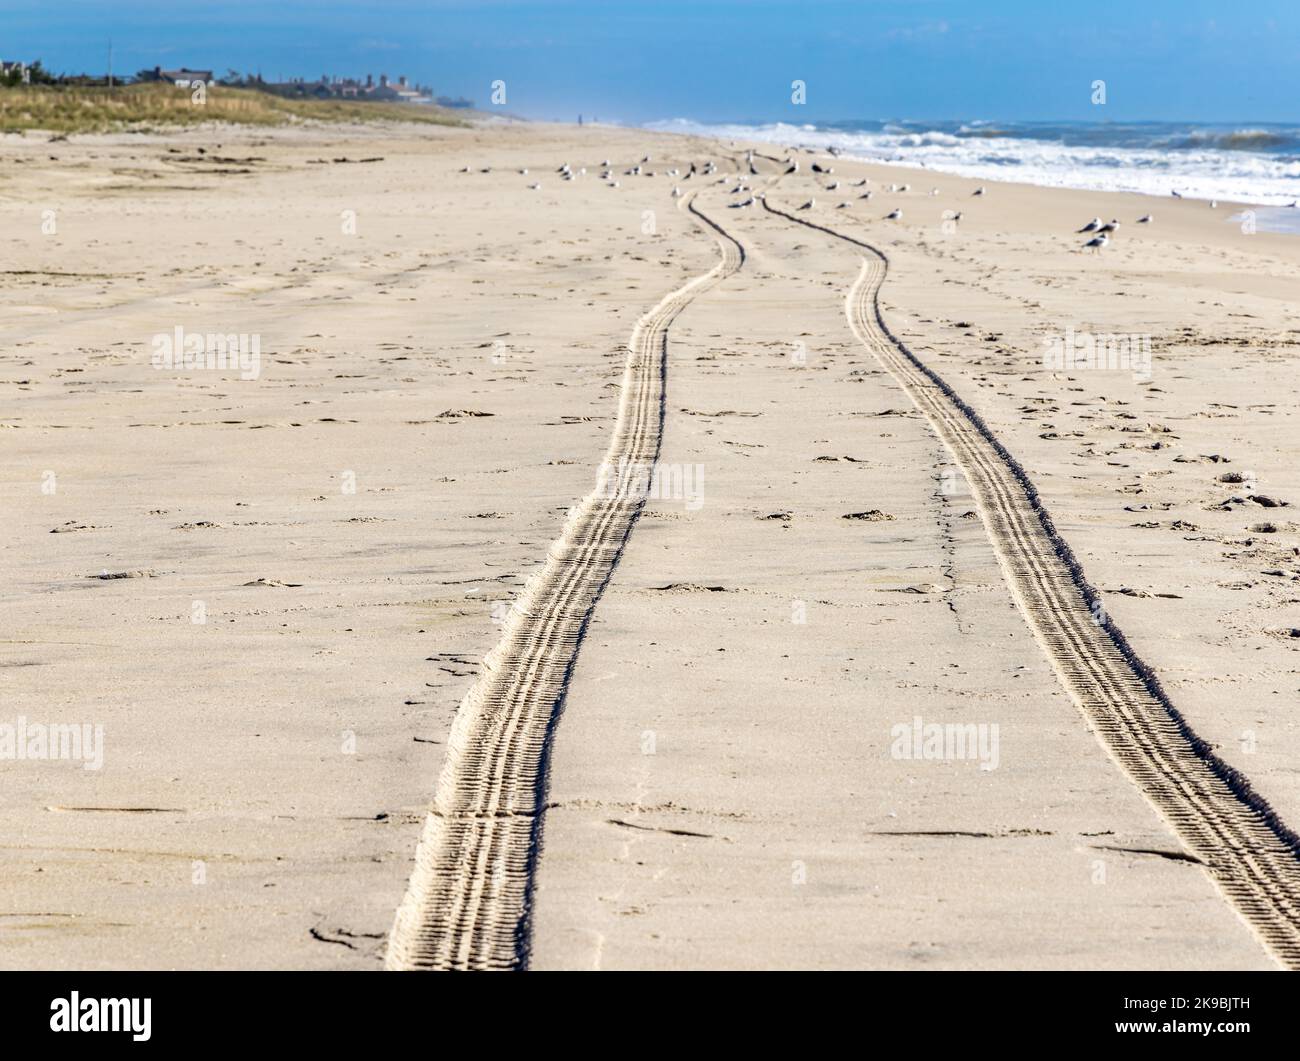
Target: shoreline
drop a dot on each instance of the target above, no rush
(840, 142)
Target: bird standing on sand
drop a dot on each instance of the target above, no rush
(1175, 194)
(809, 204)
(677, 193)
(833, 186)
(536, 186)
(894, 214)
(1091, 226)
(978, 191)
(1110, 226)
(1097, 242)
(1145, 219)
(794, 167)
(865, 195)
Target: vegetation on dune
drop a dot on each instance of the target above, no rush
(81, 109)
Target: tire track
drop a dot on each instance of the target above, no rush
(1249, 852)
(468, 901)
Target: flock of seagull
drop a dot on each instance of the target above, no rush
(1101, 232)
(741, 183)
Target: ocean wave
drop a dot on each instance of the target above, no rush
(1230, 164)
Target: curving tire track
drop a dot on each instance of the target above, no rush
(468, 901)
(1249, 852)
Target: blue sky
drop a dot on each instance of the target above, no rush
(717, 60)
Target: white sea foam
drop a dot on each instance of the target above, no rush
(1228, 165)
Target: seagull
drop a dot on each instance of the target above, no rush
(865, 195)
(1175, 194)
(1091, 226)
(859, 184)
(894, 214)
(536, 186)
(677, 193)
(809, 204)
(832, 186)
(904, 187)
(1110, 226)
(1097, 242)
(955, 216)
(821, 169)
(523, 172)
(841, 206)
(794, 167)
(1214, 204)
(978, 191)
(1145, 219)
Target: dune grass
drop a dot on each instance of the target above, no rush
(76, 109)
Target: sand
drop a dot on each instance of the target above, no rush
(442, 355)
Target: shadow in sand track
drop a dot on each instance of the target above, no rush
(469, 899)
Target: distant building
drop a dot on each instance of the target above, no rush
(329, 87)
(183, 77)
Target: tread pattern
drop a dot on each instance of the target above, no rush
(1249, 852)
(469, 897)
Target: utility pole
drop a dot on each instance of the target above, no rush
(110, 62)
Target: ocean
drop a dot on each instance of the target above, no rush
(1252, 163)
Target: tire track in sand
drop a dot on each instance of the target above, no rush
(468, 902)
(1248, 851)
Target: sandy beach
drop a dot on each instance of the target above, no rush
(883, 508)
